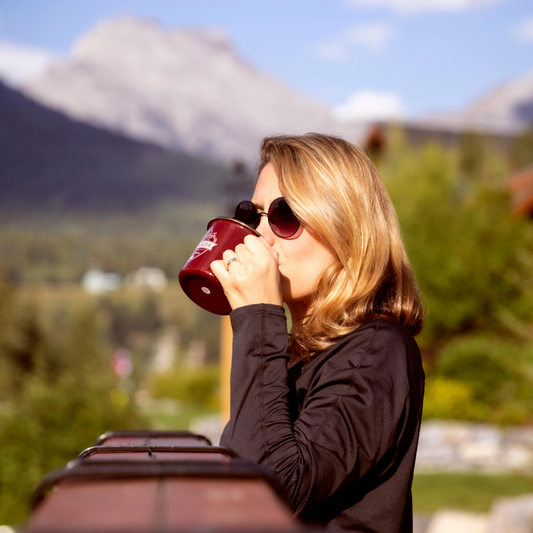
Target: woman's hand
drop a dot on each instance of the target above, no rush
(254, 278)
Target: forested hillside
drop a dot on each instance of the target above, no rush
(50, 161)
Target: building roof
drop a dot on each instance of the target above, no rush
(521, 187)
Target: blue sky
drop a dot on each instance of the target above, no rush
(404, 57)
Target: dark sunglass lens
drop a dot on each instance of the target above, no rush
(247, 212)
(282, 220)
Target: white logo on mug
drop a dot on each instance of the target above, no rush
(209, 242)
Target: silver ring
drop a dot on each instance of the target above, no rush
(230, 260)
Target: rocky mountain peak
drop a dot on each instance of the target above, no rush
(123, 36)
(510, 103)
(186, 89)
(506, 109)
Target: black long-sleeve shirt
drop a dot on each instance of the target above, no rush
(341, 430)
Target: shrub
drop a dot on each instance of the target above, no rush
(446, 398)
(481, 377)
(193, 386)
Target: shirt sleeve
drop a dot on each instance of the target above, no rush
(358, 416)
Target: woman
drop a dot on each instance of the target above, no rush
(333, 409)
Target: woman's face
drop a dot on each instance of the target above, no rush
(302, 258)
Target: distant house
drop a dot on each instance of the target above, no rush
(377, 135)
(96, 282)
(521, 187)
(148, 277)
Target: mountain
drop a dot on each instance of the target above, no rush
(507, 109)
(185, 89)
(50, 160)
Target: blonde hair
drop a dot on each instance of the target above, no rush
(336, 192)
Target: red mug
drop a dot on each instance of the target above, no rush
(196, 278)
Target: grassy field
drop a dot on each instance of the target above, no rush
(469, 492)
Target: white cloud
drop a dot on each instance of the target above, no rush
(524, 32)
(370, 105)
(19, 64)
(374, 36)
(417, 6)
(336, 52)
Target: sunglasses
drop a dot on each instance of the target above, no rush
(282, 220)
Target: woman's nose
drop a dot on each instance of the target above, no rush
(265, 230)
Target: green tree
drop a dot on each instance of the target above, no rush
(522, 149)
(472, 258)
(472, 155)
(474, 263)
(65, 401)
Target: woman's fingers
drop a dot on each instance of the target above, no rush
(229, 257)
(220, 268)
(270, 249)
(258, 246)
(254, 252)
(249, 274)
